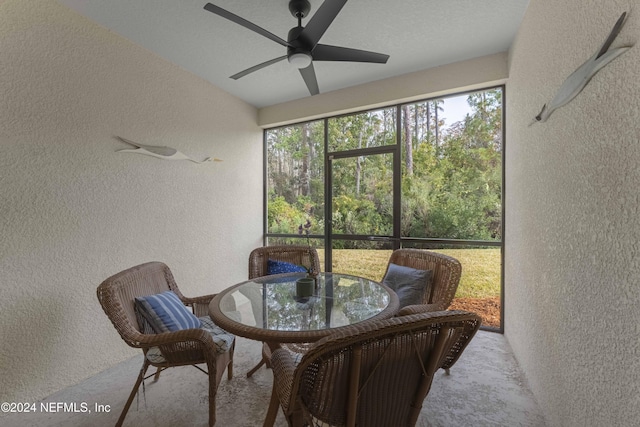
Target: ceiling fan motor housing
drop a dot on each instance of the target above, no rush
(298, 53)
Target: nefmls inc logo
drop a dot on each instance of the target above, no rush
(64, 407)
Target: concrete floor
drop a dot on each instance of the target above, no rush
(485, 388)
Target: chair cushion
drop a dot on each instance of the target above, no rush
(409, 283)
(222, 339)
(164, 312)
(280, 267)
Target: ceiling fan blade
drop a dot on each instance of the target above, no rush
(257, 67)
(320, 21)
(309, 76)
(324, 52)
(241, 21)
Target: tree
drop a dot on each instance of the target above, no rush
(451, 176)
(408, 139)
(456, 186)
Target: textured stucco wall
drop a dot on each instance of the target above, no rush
(572, 267)
(73, 211)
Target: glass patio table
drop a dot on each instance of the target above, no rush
(267, 309)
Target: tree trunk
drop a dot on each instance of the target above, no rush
(428, 122)
(305, 179)
(408, 140)
(358, 165)
(437, 126)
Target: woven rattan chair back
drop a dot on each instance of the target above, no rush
(294, 254)
(445, 277)
(373, 375)
(117, 295)
(258, 267)
(186, 347)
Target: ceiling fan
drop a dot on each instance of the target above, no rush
(302, 43)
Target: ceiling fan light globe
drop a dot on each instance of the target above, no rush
(300, 60)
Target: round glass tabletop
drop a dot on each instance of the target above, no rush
(268, 307)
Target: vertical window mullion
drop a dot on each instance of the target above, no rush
(397, 182)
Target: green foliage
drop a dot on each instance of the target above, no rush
(363, 130)
(451, 176)
(282, 217)
(358, 216)
(455, 192)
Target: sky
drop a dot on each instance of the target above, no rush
(455, 109)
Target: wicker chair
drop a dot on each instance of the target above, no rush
(444, 281)
(373, 375)
(294, 254)
(258, 267)
(185, 347)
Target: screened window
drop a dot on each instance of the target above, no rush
(452, 167)
(425, 174)
(295, 178)
(363, 130)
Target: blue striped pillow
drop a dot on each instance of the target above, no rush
(165, 313)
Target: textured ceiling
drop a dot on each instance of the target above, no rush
(417, 34)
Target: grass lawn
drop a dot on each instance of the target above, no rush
(480, 268)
